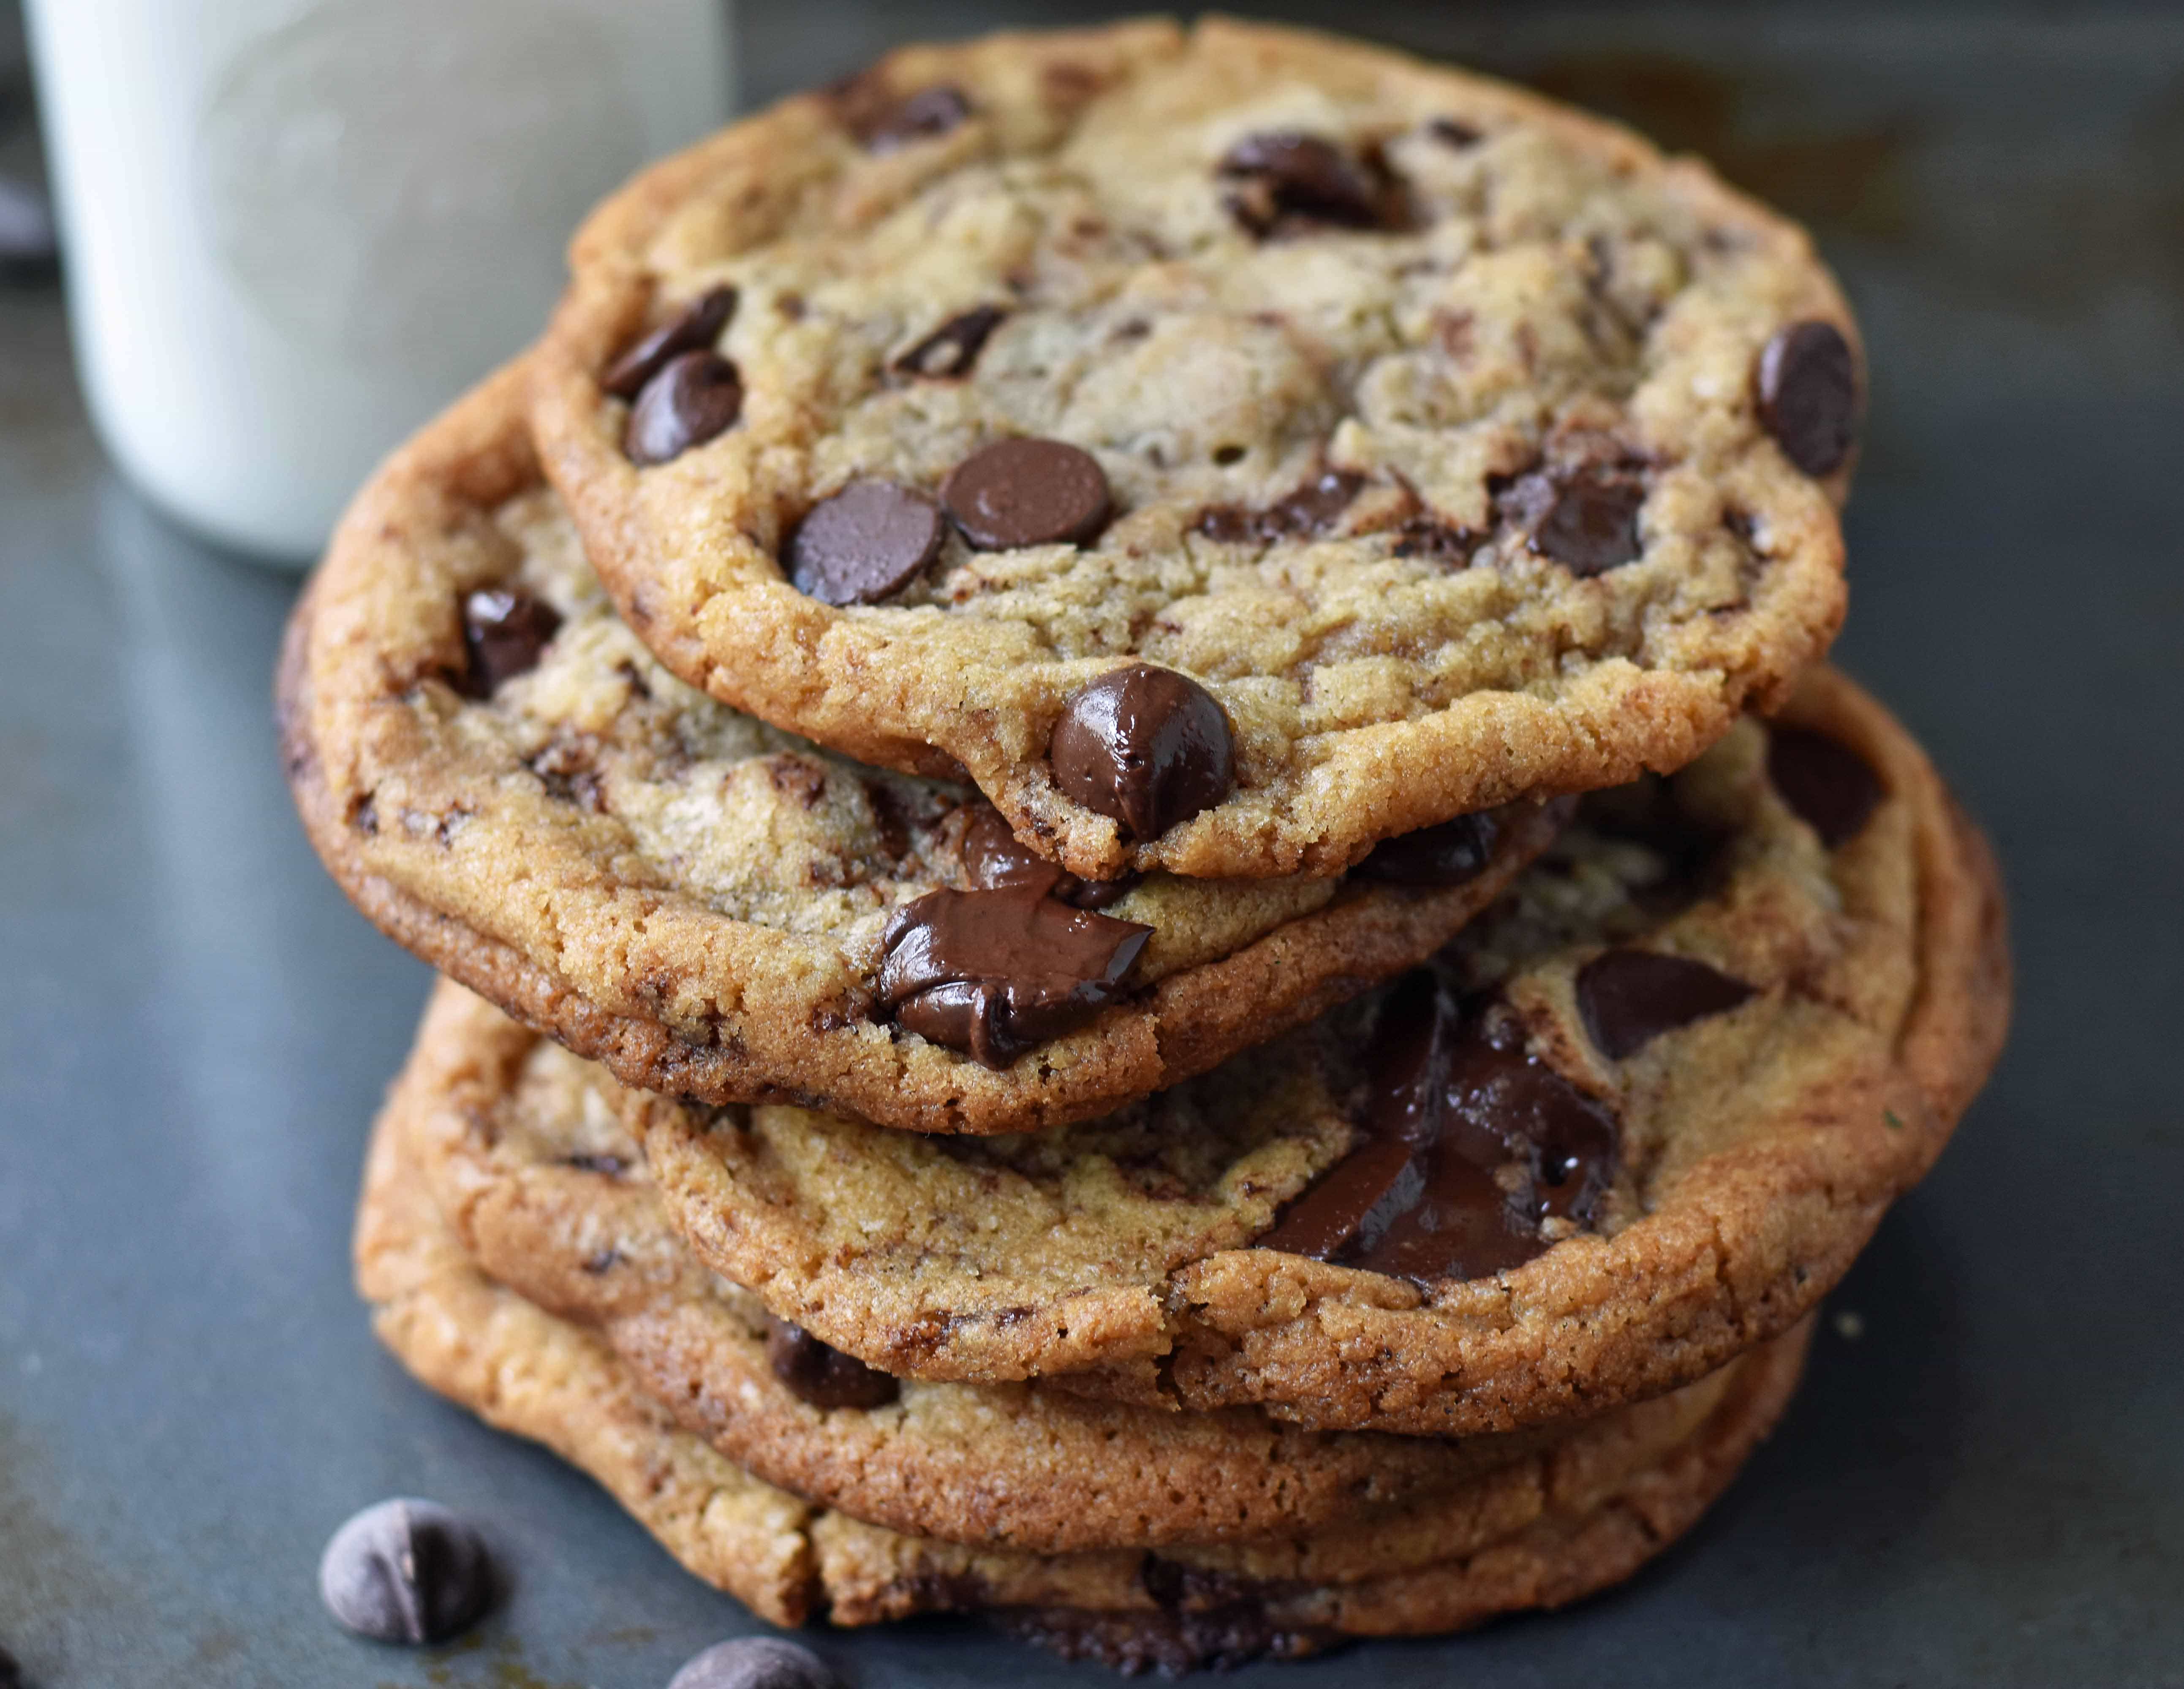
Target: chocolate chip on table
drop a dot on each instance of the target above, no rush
(1627, 998)
(756, 1662)
(1585, 518)
(917, 117)
(1805, 386)
(993, 858)
(406, 1571)
(822, 1374)
(949, 350)
(1312, 508)
(504, 628)
(1448, 853)
(996, 973)
(1828, 785)
(1286, 177)
(695, 328)
(857, 545)
(695, 396)
(1146, 746)
(1027, 491)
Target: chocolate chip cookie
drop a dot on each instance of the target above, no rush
(1231, 447)
(1638, 1118)
(503, 777)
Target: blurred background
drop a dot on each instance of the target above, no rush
(1984, 1482)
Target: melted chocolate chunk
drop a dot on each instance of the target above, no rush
(1447, 855)
(1630, 997)
(504, 628)
(993, 856)
(1312, 508)
(996, 973)
(822, 1374)
(406, 1571)
(1147, 747)
(695, 328)
(1023, 492)
(917, 116)
(1424, 537)
(869, 540)
(695, 396)
(1805, 387)
(1585, 518)
(755, 1663)
(1287, 181)
(1832, 789)
(949, 350)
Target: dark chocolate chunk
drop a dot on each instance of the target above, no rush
(504, 628)
(996, 973)
(872, 538)
(951, 350)
(695, 396)
(1146, 746)
(1498, 1089)
(1286, 178)
(993, 856)
(1447, 855)
(1422, 537)
(1832, 789)
(1312, 508)
(695, 328)
(1024, 491)
(1629, 998)
(406, 1571)
(756, 1662)
(822, 1374)
(1585, 518)
(917, 117)
(1806, 386)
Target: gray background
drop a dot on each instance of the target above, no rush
(1987, 1487)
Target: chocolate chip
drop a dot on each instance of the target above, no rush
(1312, 508)
(872, 538)
(996, 973)
(1422, 537)
(695, 396)
(695, 328)
(1447, 855)
(504, 628)
(1630, 997)
(1147, 747)
(993, 856)
(1286, 178)
(406, 1571)
(926, 113)
(1454, 132)
(1585, 518)
(1829, 788)
(1806, 386)
(756, 1662)
(1022, 491)
(822, 1374)
(951, 350)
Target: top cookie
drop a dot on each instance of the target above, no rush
(1230, 447)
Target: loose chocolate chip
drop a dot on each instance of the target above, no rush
(926, 113)
(951, 350)
(406, 1571)
(1585, 518)
(870, 539)
(694, 397)
(695, 328)
(1832, 789)
(1630, 997)
(1312, 508)
(504, 628)
(1448, 854)
(1285, 177)
(1147, 747)
(993, 856)
(822, 1374)
(1807, 390)
(1454, 132)
(997, 973)
(756, 1662)
(1022, 491)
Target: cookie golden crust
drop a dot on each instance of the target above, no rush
(1447, 433)
(1539, 1533)
(1851, 993)
(503, 778)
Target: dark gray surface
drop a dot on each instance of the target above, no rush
(1986, 1488)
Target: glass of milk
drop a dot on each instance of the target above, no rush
(295, 229)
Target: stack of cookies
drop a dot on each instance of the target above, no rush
(1156, 917)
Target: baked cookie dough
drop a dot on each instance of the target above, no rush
(503, 778)
(1431, 444)
(1636, 1119)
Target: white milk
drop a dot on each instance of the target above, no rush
(295, 229)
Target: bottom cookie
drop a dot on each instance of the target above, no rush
(524, 1370)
